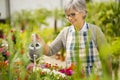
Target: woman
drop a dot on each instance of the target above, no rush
(82, 41)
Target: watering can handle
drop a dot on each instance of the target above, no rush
(34, 37)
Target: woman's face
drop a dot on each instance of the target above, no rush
(75, 17)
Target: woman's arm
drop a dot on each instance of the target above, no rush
(56, 45)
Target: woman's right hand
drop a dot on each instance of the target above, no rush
(37, 38)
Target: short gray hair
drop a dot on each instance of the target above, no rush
(77, 5)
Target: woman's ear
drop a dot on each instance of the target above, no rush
(83, 14)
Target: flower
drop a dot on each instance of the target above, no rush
(68, 72)
(4, 64)
(46, 69)
(30, 66)
(7, 53)
(4, 53)
(1, 49)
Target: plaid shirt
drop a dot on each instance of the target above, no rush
(89, 61)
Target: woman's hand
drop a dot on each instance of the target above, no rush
(37, 38)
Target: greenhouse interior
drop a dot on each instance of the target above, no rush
(41, 39)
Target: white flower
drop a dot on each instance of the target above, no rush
(46, 70)
(58, 73)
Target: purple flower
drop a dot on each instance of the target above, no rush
(43, 66)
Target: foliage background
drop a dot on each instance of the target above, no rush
(104, 15)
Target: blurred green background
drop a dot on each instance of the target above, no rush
(18, 27)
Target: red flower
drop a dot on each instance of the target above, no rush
(3, 64)
(47, 65)
(7, 53)
(2, 36)
(30, 66)
(55, 66)
(2, 49)
(6, 62)
(13, 37)
(62, 70)
(68, 72)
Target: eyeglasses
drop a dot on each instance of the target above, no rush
(72, 15)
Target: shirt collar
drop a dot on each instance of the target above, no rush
(84, 28)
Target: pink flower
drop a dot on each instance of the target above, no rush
(7, 53)
(30, 66)
(2, 36)
(6, 62)
(43, 65)
(2, 49)
(62, 70)
(68, 72)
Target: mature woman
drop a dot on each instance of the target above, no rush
(82, 41)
